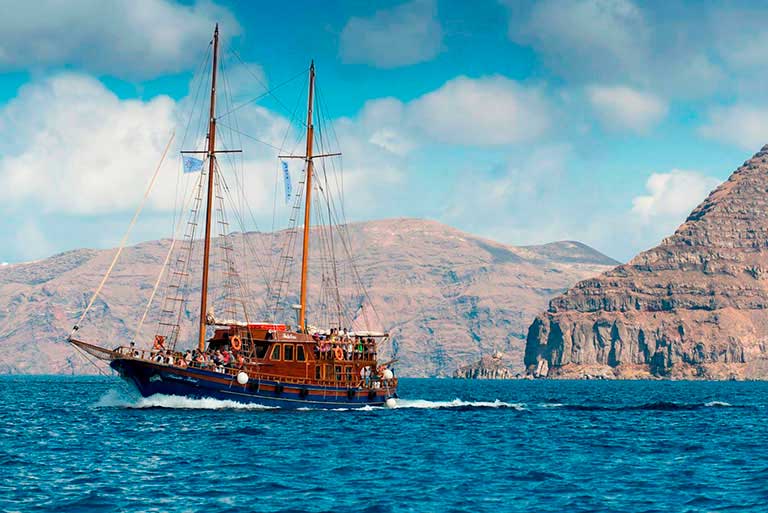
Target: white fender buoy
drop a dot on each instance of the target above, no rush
(388, 374)
(391, 403)
(242, 378)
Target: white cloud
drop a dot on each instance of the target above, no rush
(71, 145)
(407, 34)
(744, 126)
(671, 197)
(624, 108)
(125, 38)
(662, 47)
(485, 111)
(596, 35)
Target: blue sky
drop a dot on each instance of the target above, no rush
(603, 121)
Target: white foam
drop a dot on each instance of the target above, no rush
(717, 403)
(114, 400)
(456, 403)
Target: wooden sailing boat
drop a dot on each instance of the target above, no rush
(265, 363)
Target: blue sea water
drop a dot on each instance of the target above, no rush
(83, 444)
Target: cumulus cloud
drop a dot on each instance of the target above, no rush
(124, 38)
(598, 35)
(72, 145)
(485, 111)
(623, 41)
(671, 197)
(745, 126)
(624, 108)
(69, 145)
(403, 35)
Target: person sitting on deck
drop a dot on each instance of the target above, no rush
(226, 357)
(158, 345)
(187, 356)
(169, 359)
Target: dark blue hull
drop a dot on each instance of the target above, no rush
(152, 378)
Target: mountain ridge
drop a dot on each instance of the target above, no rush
(449, 297)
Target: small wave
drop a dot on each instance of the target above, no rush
(113, 400)
(456, 403)
(654, 406)
(718, 404)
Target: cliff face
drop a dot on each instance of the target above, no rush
(446, 297)
(694, 306)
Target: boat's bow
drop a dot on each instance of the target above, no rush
(99, 352)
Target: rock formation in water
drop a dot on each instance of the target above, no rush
(447, 297)
(694, 306)
(489, 367)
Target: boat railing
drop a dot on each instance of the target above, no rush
(161, 357)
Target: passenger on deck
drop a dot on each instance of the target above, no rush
(158, 346)
(187, 356)
(348, 350)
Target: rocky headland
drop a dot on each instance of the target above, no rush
(491, 366)
(695, 306)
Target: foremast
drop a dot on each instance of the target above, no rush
(209, 203)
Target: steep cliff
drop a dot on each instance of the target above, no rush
(447, 297)
(694, 306)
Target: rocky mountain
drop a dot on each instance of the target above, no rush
(446, 297)
(694, 306)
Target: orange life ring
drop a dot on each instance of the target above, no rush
(338, 353)
(237, 344)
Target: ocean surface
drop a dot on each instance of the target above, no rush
(76, 444)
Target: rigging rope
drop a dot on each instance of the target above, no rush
(125, 237)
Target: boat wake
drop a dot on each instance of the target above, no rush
(114, 400)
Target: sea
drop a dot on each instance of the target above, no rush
(82, 444)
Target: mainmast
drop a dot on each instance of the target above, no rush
(307, 200)
(209, 208)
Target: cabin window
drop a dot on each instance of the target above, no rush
(328, 373)
(349, 373)
(318, 372)
(300, 356)
(276, 352)
(288, 352)
(261, 350)
(338, 373)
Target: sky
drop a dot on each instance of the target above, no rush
(602, 121)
